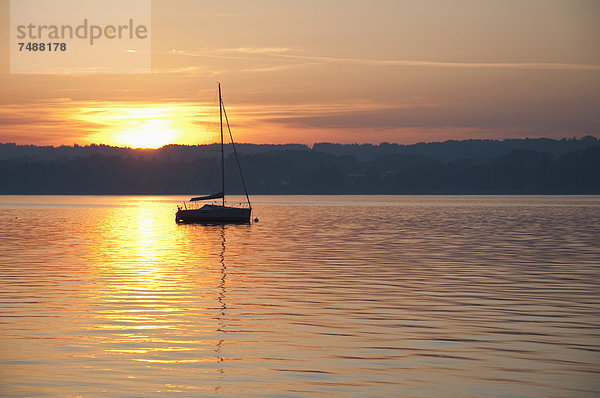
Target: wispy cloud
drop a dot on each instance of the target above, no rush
(278, 68)
(263, 58)
(444, 64)
(61, 120)
(294, 54)
(228, 52)
(184, 70)
(258, 50)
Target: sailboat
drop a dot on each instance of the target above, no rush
(194, 212)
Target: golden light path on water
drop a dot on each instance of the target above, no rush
(388, 296)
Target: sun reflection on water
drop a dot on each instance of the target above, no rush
(151, 308)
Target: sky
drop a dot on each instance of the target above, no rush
(344, 71)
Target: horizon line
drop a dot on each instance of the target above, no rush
(311, 146)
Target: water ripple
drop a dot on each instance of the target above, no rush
(361, 296)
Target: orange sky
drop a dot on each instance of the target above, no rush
(330, 70)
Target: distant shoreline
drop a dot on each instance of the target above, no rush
(471, 167)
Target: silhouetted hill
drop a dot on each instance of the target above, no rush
(183, 152)
(527, 166)
(448, 150)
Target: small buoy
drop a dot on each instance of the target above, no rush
(256, 219)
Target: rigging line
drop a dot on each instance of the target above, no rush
(236, 155)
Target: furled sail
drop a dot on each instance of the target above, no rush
(208, 197)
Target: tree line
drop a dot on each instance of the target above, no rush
(527, 166)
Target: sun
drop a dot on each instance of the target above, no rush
(148, 126)
(144, 127)
(149, 133)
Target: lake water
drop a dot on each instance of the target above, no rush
(422, 296)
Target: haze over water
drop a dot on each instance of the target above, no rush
(326, 296)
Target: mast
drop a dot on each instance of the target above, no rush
(222, 152)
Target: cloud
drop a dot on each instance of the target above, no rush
(236, 50)
(444, 64)
(421, 116)
(293, 53)
(258, 50)
(184, 70)
(278, 68)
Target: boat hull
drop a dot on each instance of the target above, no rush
(214, 214)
